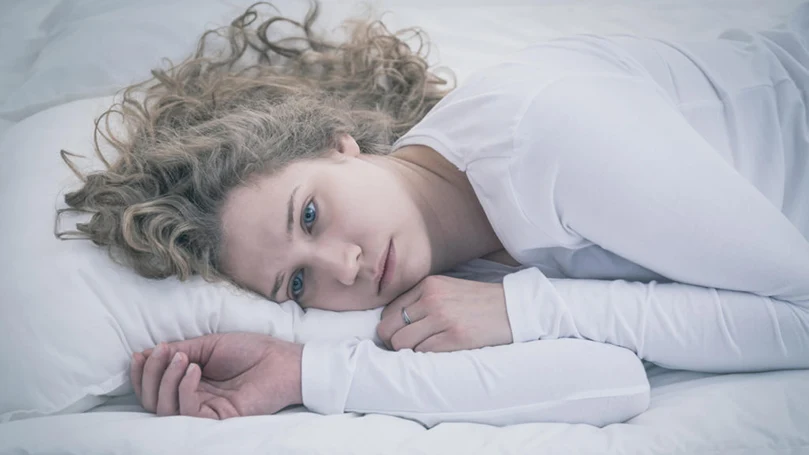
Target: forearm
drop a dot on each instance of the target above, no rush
(555, 381)
(674, 325)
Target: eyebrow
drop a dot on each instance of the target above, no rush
(279, 279)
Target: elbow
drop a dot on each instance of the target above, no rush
(627, 407)
(617, 390)
(629, 394)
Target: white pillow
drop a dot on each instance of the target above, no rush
(71, 317)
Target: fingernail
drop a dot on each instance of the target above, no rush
(188, 370)
(176, 359)
(158, 349)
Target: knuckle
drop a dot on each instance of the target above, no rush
(430, 283)
(433, 286)
(430, 300)
(442, 315)
(456, 334)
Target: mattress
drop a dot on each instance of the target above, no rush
(51, 53)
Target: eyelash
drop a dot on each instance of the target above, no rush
(308, 230)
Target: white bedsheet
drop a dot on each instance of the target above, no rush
(54, 51)
(690, 414)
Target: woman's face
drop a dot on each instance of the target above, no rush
(319, 232)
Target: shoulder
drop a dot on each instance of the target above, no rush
(578, 132)
(479, 119)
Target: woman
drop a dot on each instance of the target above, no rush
(645, 195)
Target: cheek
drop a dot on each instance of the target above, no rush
(419, 259)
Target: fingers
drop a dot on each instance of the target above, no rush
(168, 397)
(178, 391)
(190, 398)
(440, 342)
(153, 371)
(136, 372)
(158, 380)
(220, 407)
(406, 299)
(196, 349)
(392, 318)
(410, 336)
(395, 323)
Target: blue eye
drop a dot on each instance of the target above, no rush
(308, 218)
(309, 215)
(296, 284)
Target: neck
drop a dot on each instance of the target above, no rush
(457, 226)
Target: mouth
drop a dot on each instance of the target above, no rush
(387, 266)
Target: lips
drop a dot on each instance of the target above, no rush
(384, 268)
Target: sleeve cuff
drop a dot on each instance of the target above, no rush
(534, 307)
(327, 369)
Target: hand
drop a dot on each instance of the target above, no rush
(447, 314)
(219, 376)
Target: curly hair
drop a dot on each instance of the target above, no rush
(220, 119)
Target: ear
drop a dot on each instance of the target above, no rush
(347, 145)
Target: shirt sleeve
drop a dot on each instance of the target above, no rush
(624, 170)
(571, 381)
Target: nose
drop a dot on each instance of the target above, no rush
(340, 260)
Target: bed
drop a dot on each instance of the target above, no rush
(60, 63)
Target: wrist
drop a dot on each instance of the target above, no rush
(327, 371)
(295, 362)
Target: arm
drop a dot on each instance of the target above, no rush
(240, 374)
(550, 381)
(675, 325)
(632, 176)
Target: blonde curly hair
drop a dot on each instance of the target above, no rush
(218, 120)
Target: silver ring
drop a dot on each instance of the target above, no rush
(406, 317)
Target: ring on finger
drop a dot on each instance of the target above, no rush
(406, 318)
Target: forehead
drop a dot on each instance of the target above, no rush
(254, 224)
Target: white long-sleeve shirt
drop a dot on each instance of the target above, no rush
(657, 195)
